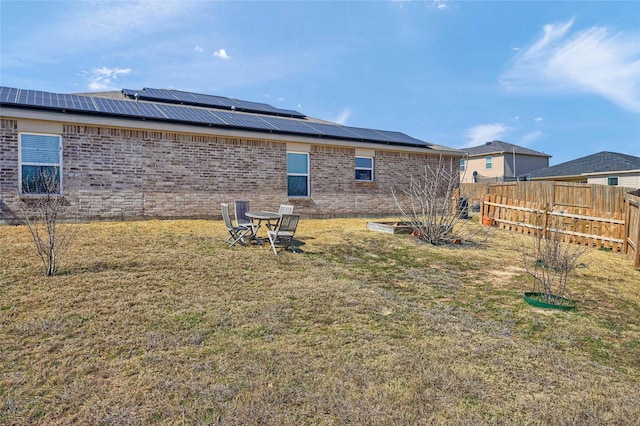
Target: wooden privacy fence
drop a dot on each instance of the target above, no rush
(632, 222)
(598, 198)
(572, 215)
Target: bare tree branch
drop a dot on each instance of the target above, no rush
(45, 211)
(431, 206)
(549, 259)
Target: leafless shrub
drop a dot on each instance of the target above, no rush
(429, 203)
(549, 257)
(46, 211)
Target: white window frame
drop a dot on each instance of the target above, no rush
(21, 163)
(609, 180)
(488, 162)
(306, 175)
(463, 164)
(364, 168)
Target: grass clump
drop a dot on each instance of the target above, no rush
(160, 322)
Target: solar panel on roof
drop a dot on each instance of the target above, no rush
(401, 137)
(51, 100)
(8, 94)
(177, 96)
(285, 125)
(207, 100)
(25, 97)
(244, 120)
(333, 130)
(83, 103)
(191, 114)
(369, 134)
(127, 108)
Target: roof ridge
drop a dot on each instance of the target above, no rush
(497, 146)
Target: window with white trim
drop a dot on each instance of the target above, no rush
(463, 165)
(297, 174)
(40, 164)
(364, 169)
(612, 181)
(488, 162)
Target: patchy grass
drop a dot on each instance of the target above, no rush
(160, 322)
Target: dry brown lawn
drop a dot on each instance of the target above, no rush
(160, 322)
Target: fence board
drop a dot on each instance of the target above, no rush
(632, 229)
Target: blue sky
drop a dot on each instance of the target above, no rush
(558, 77)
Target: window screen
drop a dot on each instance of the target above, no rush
(40, 164)
(297, 174)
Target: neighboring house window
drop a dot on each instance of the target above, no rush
(297, 174)
(40, 164)
(612, 181)
(364, 168)
(463, 165)
(488, 162)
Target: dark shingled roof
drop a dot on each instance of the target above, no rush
(499, 147)
(604, 161)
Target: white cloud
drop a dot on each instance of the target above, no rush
(100, 78)
(268, 96)
(344, 116)
(482, 133)
(592, 60)
(199, 49)
(529, 138)
(107, 21)
(538, 119)
(88, 27)
(222, 54)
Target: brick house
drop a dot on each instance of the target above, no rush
(155, 153)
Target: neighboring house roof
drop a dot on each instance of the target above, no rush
(205, 110)
(601, 162)
(499, 147)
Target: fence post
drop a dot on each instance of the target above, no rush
(627, 219)
(636, 259)
(485, 207)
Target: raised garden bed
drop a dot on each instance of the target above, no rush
(390, 227)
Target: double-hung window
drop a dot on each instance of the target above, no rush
(364, 169)
(40, 164)
(463, 165)
(297, 174)
(488, 162)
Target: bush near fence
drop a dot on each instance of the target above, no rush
(598, 215)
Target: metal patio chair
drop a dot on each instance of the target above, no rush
(282, 234)
(237, 232)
